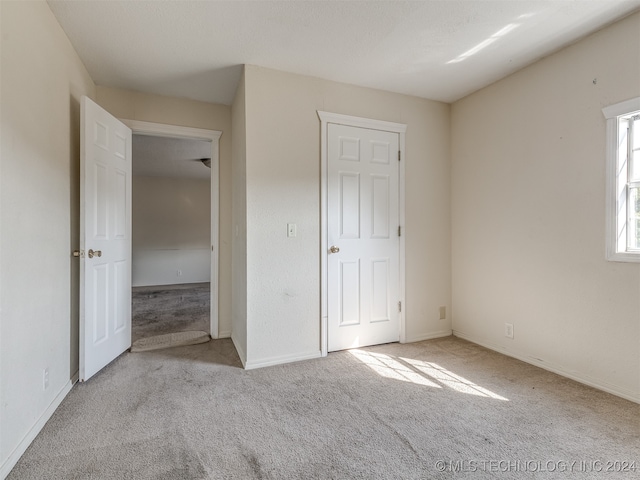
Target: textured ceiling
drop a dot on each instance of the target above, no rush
(170, 157)
(442, 50)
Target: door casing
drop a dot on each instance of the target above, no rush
(163, 130)
(325, 119)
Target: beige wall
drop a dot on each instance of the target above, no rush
(42, 82)
(283, 186)
(239, 222)
(171, 230)
(528, 190)
(188, 113)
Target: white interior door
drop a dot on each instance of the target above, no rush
(363, 268)
(105, 238)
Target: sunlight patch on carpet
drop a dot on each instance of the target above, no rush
(420, 373)
(387, 367)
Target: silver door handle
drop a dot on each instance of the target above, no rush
(94, 253)
(334, 249)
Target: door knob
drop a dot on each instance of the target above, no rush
(334, 249)
(94, 253)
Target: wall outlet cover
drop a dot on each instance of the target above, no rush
(508, 330)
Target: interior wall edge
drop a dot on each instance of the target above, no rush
(239, 349)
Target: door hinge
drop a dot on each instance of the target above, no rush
(400, 306)
(399, 155)
(399, 230)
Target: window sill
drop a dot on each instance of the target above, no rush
(624, 257)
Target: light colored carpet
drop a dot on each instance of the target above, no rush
(163, 309)
(169, 340)
(386, 412)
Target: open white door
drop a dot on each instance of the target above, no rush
(105, 238)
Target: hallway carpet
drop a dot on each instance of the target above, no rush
(170, 340)
(162, 309)
(437, 409)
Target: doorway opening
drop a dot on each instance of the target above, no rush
(174, 230)
(171, 236)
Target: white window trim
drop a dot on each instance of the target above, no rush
(616, 248)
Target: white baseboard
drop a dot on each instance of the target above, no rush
(17, 452)
(428, 336)
(224, 334)
(267, 362)
(578, 377)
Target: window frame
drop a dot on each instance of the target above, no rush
(618, 186)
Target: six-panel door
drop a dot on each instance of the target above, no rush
(363, 275)
(105, 238)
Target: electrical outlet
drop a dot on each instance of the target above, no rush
(443, 313)
(508, 330)
(179, 273)
(45, 378)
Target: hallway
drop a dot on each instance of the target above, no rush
(161, 309)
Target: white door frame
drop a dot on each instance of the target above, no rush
(163, 130)
(325, 119)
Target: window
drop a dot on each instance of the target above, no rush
(623, 181)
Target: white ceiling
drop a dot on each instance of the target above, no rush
(442, 50)
(170, 157)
